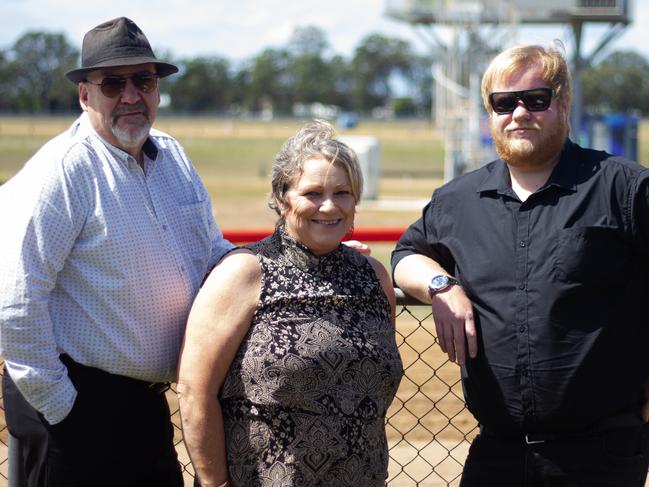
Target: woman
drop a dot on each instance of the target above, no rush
(290, 362)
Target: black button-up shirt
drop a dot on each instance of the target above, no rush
(559, 285)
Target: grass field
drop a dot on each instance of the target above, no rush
(234, 158)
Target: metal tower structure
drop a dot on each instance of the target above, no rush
(464, 35)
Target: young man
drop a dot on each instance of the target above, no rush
(108, 232)
(537, 269)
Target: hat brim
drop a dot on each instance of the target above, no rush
(162, 69)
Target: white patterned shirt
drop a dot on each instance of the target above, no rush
(101, 260)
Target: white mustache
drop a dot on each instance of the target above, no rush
(136, 107)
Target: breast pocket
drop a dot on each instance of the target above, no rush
(590, 265)
(591, 255)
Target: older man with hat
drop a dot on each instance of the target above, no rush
(108, 232)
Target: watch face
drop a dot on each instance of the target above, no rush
(439, 282)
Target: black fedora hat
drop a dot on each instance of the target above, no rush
(118, 42)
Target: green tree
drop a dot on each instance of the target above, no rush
(375, 61)
(38, 63)
(204, 85)
(311, 75)
(270, 81)
(403, 107)
(241, 87)
(309, 40)
(7, 76)
(619, 83)
(304, 70)
(421, 84)
(165, 84)
(341, 74)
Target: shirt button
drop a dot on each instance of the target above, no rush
(522, 243)
(525, 372)
(522, 328)
(522, 286)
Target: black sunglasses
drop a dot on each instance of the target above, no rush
(536, 100)
(112, 86)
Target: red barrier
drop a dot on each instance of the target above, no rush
(366, 234)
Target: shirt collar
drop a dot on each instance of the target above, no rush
(564, 174)
(150, 149)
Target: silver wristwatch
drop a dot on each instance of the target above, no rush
(440, 283)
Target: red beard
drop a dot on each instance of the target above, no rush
(530, 155)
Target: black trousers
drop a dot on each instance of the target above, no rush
(118, 434)
(618, 457)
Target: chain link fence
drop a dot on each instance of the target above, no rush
(428, 427)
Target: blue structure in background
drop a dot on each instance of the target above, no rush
(616, 133)
(347, 120)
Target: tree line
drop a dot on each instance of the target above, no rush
(302, 72)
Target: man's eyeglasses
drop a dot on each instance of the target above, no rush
(112, 86)
(536, 100)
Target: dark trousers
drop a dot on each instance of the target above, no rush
(614, 458)
(118, 434)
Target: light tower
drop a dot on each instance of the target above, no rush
(463, 35)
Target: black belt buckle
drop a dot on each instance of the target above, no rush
(532, 439)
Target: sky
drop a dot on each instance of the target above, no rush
(241, 29)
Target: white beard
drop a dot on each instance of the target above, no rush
(131, 138)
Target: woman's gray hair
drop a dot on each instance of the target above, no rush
(316, 140)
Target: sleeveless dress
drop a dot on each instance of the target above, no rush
(305, 399)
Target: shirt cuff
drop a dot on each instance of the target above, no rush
(60, 400)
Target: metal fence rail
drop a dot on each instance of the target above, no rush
(429, 429)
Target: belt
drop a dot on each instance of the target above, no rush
(159, 387)
(77, 369)
(534, 438)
